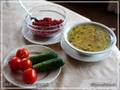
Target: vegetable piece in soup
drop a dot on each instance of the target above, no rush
(89, 37)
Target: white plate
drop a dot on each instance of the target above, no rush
(74, 54)
(27, 34)
(16, 79)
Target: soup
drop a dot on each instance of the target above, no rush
(89, 37)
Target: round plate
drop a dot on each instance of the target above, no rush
(16, 78)
(27, 34)
(74, 54)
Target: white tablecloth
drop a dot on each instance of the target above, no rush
(75, 74)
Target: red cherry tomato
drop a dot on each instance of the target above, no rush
(29, 76)
(14, 64)
(25, 64)
(22, 53)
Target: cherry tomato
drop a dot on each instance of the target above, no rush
(25, 64)
(22, 53)
(29, 76)
(14, 64)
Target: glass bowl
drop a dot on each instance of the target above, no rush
(45, 11)
(106, 29)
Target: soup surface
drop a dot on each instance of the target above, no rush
(89, 37)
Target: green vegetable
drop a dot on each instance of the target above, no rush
(44, 56)
(49, 65)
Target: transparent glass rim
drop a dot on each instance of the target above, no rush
(39, 30)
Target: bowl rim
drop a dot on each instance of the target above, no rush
(90, 52)
(54, 26)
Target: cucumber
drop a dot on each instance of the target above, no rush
(43, 57)
(49, 65)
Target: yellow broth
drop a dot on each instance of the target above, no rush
(89, 37)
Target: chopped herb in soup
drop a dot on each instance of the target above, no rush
(89, 37)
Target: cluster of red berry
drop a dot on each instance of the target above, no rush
(47, 22)
(46, 27)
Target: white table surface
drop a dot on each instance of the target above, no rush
(75, 74)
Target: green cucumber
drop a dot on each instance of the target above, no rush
(49, 65)
(43, 57)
